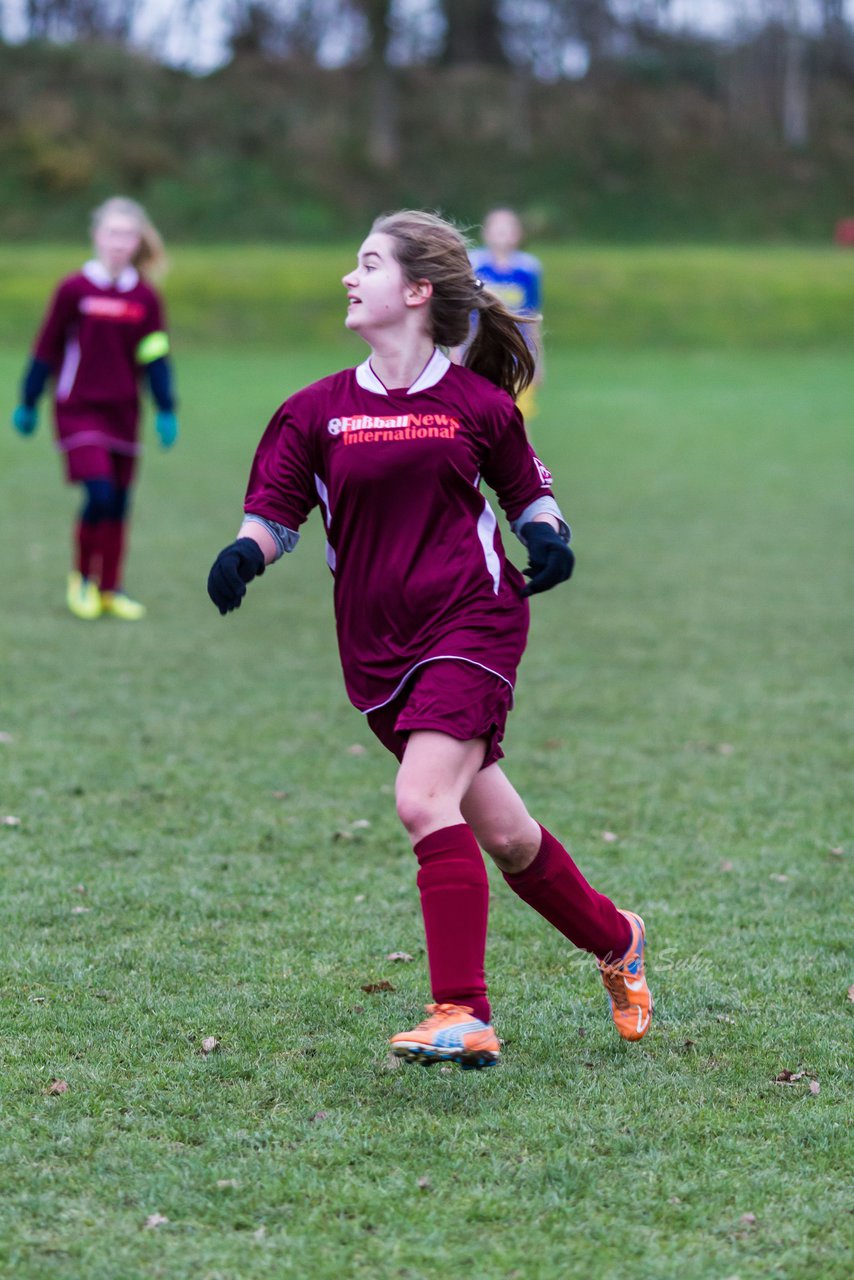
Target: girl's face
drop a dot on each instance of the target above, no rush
(378, 296)
(116, 239)
(502, 231)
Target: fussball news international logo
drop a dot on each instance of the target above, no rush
(366, 428)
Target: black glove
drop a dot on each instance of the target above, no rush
(550, 559)
(233, 568)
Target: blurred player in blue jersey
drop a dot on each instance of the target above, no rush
(516, 278)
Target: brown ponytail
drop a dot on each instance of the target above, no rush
(498, 349)
(429, 248)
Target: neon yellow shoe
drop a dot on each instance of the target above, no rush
(83, 597)
(118, 605)
(625, 982)
(451, 1033)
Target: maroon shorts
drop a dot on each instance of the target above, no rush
(98, 444)
(449, 696)
(89, 462)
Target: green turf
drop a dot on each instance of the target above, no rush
(190, 862)
(687, 296)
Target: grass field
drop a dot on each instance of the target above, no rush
(201, 852)
(685, 296)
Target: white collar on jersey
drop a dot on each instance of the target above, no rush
(434, 370)
(96, 272)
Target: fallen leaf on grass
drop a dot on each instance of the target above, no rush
(793, 1077)
(851, 993)
(210, 1044)
(356, 750)
(748, 1219)
(319, 1115)
(56, 1086)
(155, 1220)
(445, 1071)
(360, 897)
(371, 988)
(424, 1183)
(259, 1234)
(403, 956)
(223, 1183)
(610, 837)
(280, 795)
(10, 821)
(348, 832)
(838, 852)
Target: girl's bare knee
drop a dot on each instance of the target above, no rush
(417, 810)
(510, 852)
(412, 814)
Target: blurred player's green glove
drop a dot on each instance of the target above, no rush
(25, 419)
(166, 425)
(550, 560)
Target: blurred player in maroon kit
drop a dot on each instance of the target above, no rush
(431, 616)
(104, 328)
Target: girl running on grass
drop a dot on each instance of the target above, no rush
(103, 328)
(431, 616)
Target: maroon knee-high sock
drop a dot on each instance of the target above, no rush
(554, 886)
(86, 548)
(454, 892)
(112, 550)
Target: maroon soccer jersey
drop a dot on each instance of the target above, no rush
(420, 570)
(91, 338)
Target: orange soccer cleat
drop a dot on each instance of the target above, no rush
(625, 982)
(451, 1033)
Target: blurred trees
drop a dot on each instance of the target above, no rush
(473, 32)
(760, 60)
(611, 114)
(80, 19)
(784, 41)
(383, 142)
(763, 55)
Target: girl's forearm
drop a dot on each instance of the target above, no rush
(252, 529)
